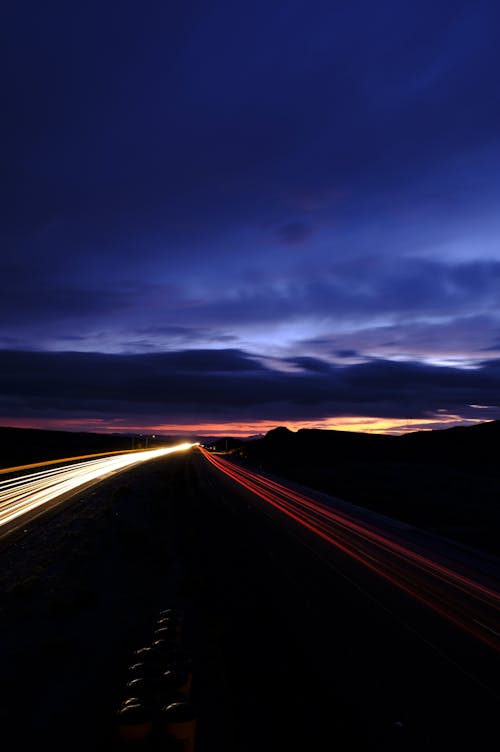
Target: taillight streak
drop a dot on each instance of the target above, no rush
(459, 598)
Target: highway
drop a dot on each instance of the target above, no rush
(32, 492)
(402, 627)
(460, 598)
(316, 625)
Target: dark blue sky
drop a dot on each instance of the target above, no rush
(226, 213)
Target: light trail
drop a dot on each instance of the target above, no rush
(457, 596)
(45, 463)
(25, 493)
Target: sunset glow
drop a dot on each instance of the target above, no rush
(360, 424)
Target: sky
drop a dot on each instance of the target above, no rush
(219, 217)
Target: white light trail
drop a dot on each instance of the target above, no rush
(27, 492)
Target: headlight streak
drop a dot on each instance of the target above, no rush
(51, 463)
(28, 492)
(458, 597)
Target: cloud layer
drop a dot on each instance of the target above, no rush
(206, 386)
(308, 189)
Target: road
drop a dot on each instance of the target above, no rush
(23, 495)
(403, 627)
(462, 598)
(314, 625)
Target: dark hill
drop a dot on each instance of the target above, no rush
(445, 481)
(475, 446)
(20, 446)
(224, 444)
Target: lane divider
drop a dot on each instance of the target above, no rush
(157, 712)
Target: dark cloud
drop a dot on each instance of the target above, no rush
(346, 354)
(401, 287)
(293, 233)
(214, 384)
(316, 182)
(310, 364)
(138, 137)
(39, 304)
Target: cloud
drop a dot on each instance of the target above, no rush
(232, 385)
(293, 233)
(345, 353)
(409, 309)
(315, 365)
(151, 203)
(279, 106)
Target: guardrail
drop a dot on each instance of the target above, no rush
(156, 712)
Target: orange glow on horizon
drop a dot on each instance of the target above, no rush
(243, 429)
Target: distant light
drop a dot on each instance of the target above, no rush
(27, 492)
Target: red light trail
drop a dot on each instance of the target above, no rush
(456, 596)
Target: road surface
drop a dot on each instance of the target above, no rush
(401, 629)
(298, 643)
(21, 496)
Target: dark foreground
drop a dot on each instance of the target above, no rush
(293, 648)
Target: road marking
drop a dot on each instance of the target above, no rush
(485, 626)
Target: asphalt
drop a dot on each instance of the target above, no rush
(294, 647)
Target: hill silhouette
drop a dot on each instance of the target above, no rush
(445, 481)
(20, 446)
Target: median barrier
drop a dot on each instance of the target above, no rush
(168, 632)
(144, 668)
(178, 724)
(166, 620)
(156, 712)
(176, 683)
(157, 656)
(145, 653)
(134, 722)
(143, 687)
(172, 613)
